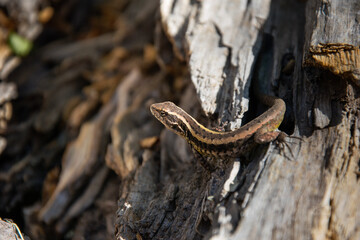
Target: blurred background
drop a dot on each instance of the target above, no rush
(77, 78)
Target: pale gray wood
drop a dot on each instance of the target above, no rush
(219, 39)
(308, 190)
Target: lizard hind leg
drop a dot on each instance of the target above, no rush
(283, 143)
(266, 137)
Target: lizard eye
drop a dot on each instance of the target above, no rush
(163, 113)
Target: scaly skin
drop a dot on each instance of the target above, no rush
(223, 144)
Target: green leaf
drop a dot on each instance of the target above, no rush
(19, 45)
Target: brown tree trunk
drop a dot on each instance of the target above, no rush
(307, 189)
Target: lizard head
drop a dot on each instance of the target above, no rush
(171, 116)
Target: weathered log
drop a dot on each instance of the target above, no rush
(306, 190)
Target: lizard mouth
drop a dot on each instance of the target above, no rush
(155, 111)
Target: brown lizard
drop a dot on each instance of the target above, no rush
(262, 129)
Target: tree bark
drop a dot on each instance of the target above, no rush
(306, 189)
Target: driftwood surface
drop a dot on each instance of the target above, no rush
(81, 157)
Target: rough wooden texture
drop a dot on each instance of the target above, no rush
(219, 40)
(333, 41)
(305, 190)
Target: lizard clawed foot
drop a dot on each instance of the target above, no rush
(283, 135)
(281, 140)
